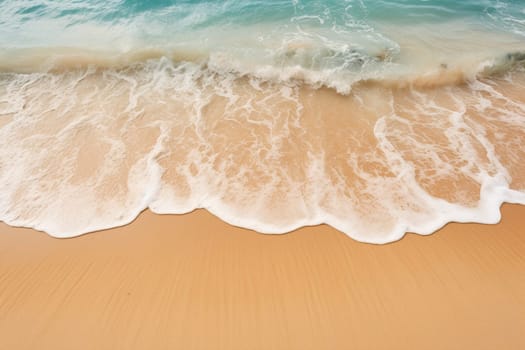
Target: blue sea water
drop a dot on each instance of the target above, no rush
(377, 117)
(343, 37)
(193, 14)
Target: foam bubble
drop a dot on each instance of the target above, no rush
(88, 149)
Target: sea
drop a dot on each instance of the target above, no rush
(376, 117)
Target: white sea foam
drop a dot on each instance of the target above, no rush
(89, 149)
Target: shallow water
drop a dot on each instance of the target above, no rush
(376, 117)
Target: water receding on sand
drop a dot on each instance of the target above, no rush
(369, 126)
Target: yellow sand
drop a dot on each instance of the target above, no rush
(194, 282)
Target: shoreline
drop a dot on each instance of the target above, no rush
(271, 158)
(194, 282)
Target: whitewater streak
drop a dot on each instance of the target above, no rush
(316, 115)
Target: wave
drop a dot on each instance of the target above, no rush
(377, 118)
(89, 148)
(359, 68)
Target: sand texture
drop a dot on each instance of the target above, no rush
(194, 282)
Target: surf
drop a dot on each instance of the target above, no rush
(270, 120)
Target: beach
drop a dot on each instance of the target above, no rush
(194, 282)
(243, 175)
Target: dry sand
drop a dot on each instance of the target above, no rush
(194, 282)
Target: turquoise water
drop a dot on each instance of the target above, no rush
(376, 117)
(194, 14)
(332, 43)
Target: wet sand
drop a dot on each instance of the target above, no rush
(194, 282)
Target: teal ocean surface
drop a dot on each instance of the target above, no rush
(375, 117)
(331, 43)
